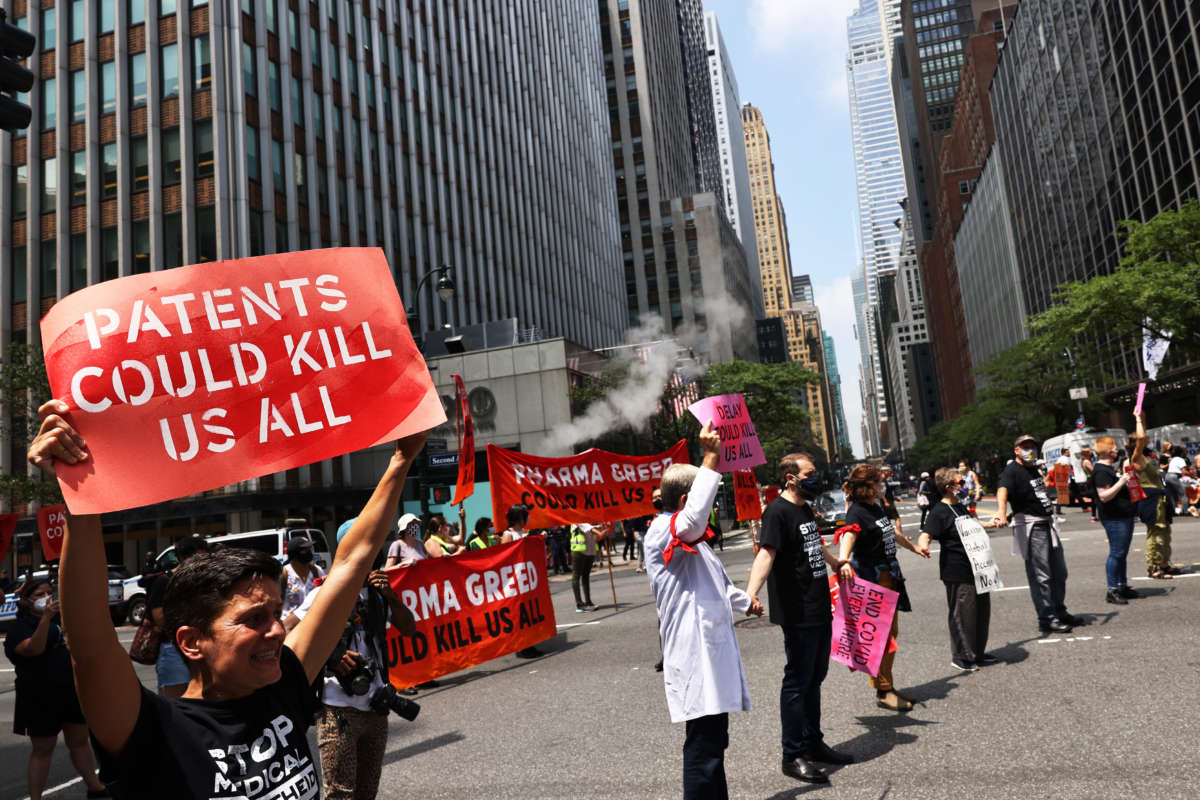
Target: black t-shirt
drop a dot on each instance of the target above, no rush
(1121, 506)
(953, 564)
(1026, 490)
(158, 588)
(798, 586)
(252, 747)
(876, 540)
(51, 669)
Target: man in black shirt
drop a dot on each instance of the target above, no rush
(1035, 536)
(793, 561)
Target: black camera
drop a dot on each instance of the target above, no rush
(357, 682)
(386, 699)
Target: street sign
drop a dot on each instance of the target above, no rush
(1079, 393)
(435, 445)
(443, 459)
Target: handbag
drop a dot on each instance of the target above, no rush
(144, 647)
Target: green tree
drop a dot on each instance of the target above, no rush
(24, 387)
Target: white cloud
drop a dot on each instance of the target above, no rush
(836, 301)
(810, 36)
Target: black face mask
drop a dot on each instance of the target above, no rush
(657, 503)
(303, 557)
(809, 487)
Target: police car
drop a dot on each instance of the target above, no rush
(116, 596)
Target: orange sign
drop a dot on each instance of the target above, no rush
(466, 446)
(469, 609)
(190, 379)
(745, 495)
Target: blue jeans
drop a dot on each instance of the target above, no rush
(170, 667)
(1120, 534)
(807, 650)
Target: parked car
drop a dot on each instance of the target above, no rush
(116, 595)
(830, 508)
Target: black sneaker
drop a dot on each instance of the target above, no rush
(1114, 596)
(1128, 593)
(1073, 621)
(987, 660)
(1053, 626)
(965, 666)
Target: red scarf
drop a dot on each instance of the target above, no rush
(669, 552)
(854, 528)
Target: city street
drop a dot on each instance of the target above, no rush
(1100, 713)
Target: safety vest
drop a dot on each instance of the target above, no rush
(443, 544)
(479, 542)
(578, 540)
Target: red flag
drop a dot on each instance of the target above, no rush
(466, 446)
(745, 495)
(469, 609)
(593, 486)
(52, 523)
(8, 524)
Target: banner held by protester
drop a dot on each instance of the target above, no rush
(862, 623)
(978, 546)
(470, 609)
(745, 495)
(740, 447)
(189, 379)
(592, 486)
(465, 485)
(52, 522)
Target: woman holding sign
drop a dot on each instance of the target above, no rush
(970, 612)
(868, 544)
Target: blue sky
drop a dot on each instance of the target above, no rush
(789, 58)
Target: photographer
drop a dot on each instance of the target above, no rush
(352, 728)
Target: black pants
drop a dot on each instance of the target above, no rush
(807, 650)
(631, 547)
(704, 758)
(969, 616)
(581, 572)
(924, 514)
(558, 556)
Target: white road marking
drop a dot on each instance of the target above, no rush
(58, 788)
(1177, 577)
(1010, 588)
(1072, 639)
(577, 624)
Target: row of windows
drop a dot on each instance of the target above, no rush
(943, 32)
(106, 18)
(940, 49)
(939, 18)
(942, 63)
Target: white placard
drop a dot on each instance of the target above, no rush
(978, 545)
(1079, 393)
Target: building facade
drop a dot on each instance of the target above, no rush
(841, 431)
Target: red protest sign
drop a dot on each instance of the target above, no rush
(745, 495)
(52, 523)
(593, 486)
(189, 379)
(770, 494)
(469, 609)
(8, 524)
(465, 486)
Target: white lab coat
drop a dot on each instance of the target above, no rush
(702, 665)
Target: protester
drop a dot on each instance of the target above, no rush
(631, 541)
(971, 490)
(926, 496)
(969, 612)
(1156, 509)
(1174, 477)
(45, 701)
(1087, 463)
(1058, 475)
(250, 688)
(408, 548)
(170, 670)
(1035, 536)
(1116, 515)
(703, 673)
(439, 541)
(517, 518)
(556, 539)
(300, 574)
(868, 548)
(792, 562)
(483, 536)
(583, 552)
(352, 728)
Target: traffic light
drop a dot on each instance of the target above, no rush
(441, 495)
(16, 45)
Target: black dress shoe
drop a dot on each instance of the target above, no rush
(1128, 593)
(1114, 596)
(801, 770)
(1054, 626)
(826, 754)
(658, 666)
(1073, 620)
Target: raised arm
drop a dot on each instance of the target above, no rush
(109, 692)
(1138, 457)
(314, 638)
(693, 518)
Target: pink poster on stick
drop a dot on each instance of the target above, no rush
(862, 621)
(740, 447)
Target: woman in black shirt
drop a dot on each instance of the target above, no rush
(45, 692)
(969, 612)
(869, 544)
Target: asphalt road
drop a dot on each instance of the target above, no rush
(1108, 711)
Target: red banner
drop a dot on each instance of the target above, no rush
(469, 609)
(8, 524)
(770, 493)
(189, 379)
(745, 495)
(52, 522)
(593, 486)
(466, 446)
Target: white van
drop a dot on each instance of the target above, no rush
(1179, 433)
(1071, 443)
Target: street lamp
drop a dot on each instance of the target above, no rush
(445, 290)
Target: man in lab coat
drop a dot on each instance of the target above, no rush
(702, 665)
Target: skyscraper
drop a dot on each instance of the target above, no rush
(727, 109)
(879, 177)
(841, 431)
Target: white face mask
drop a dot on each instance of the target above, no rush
(40, 604)
(1028, 455)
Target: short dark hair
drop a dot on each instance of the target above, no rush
(790, 465)
(27, 589)
(482, 524)
(517, 514)
(201, 586)
(186, 548)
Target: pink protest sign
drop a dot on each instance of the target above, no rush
(740, 448)
(861, 624)
(1137, 409)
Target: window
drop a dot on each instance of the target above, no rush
(204, 148)
(78, 19)
(20, 277)
(49, 183)
(20, 190)
(108, 87)
(108, 172)
(319, 117)
(249, 70)
(49, 28)
(170, 70)
(79, 178)
(170, 154)
(257, 248)
(172, 255)
(141, 246)
(78, 261)
(277, 164)
(139, 155)
(108, 16)
(206, 233)
(273, 81)
(137, 12)
(297, 101)
(201, 62)
(167, 7)
(293, 29)
(253, 171)
(272, 22)
(110, 265)
(49, 96)
(137, 79)
(49, 270)
(314, 46)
